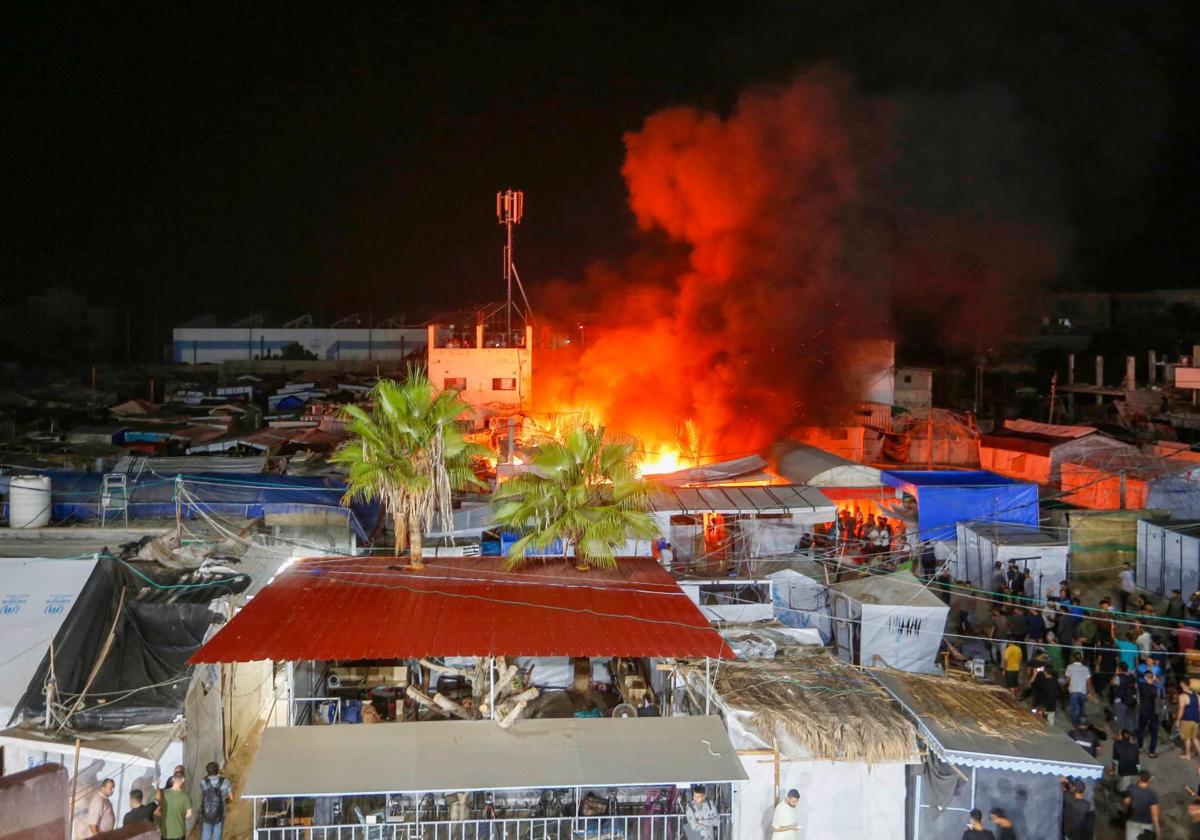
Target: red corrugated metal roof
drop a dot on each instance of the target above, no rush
(345, 608)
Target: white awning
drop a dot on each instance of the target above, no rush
(478, 755)
(806, 504)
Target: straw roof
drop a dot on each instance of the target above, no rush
(969, 707)
(831, 709)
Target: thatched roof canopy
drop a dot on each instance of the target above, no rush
(826, 708)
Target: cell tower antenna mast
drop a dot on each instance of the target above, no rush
(510, 207)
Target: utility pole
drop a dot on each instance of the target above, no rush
(1053, 391)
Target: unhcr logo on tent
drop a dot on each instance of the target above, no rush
(12, 604)
(56, 604)
(904, 625)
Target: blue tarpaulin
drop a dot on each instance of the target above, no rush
(946, 497)
(75, 496)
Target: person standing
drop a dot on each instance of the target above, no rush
(1044, 688)
(1187, 719)
(215, 793)
(100, 814)
(1175, 607)
(138, 812)
(1124, 694)
(176, 809)
(1127, 586)
(1128, 651)
(701, 816)
(1125, 760)
(975, 829)
(1148, 713)
(1079, 687)
(1085, 736)
(784, 820)
(1078, 818)
(1142, 802)
(1004, 826)
(1012, 667)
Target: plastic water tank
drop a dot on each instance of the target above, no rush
(29, 501)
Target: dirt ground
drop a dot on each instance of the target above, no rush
(240, 817)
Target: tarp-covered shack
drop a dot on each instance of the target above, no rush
(1168, 556)
(1035, 452)
(946, 497)
(890, 620)
(1042, 557)
(810, 722)
(984, 751)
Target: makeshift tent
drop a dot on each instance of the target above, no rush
(746, 470)
(954, 439)
(1039, 555)
(817, 725)
(887, 620)
(804, 464)
(1101, 540)
(1168, 556)
(751, 522)
(1133, 481)
(36, 596)
(1036, 451)
(945, 497)
(120, 655)
(984, 751)
(75, 496)
(802, 601)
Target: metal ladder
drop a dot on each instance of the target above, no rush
(114, 498)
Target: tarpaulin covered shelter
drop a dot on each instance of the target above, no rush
(75, 496)
(1036, 451)
(809, 722)
(804, 464)
(946, 497)
(888, 620)
(984, 751)
(1043, 557)
(1168, 556)
(1101, 540)
(1133, 481)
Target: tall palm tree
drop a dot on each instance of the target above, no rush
(583, 490)
(409, 451)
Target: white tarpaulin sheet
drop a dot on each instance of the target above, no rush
(35, 596)
(902, 637)
(801, 602)
(837, 798)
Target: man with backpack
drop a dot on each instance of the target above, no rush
(215, 793)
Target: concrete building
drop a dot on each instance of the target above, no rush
(491, 369)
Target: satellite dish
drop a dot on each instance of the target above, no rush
(624, 710)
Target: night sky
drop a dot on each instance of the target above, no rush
(329, 158)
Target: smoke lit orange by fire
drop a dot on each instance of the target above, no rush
(768, 252)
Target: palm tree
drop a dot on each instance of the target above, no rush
(409, 451)
(584, 491)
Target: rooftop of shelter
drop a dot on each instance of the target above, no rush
(347, 608)
(980, 725)
(944, 478)
(786, 498)
(1009, 533)
(895, 588)
(831, 710)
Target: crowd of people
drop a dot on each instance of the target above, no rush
(168, 808)
(1128, 661)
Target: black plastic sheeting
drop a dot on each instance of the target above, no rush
(144, 676)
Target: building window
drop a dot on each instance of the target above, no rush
(504, 384)
(454, 384)
(907, 379)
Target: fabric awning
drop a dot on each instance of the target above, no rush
(479, 755)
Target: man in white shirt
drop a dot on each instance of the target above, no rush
(785, 821)
(1128, 586)
(100, 814)
(1079, 687)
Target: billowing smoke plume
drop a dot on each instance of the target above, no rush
(806, 220)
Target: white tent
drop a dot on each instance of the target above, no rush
(36, 594)
(1168, 556)
(855, 789)
(801, 601)
(805, 464)
(889, 621)
(1045, 558)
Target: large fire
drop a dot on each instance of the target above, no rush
(778, 236)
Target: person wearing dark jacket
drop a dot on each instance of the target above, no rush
(1004, 826)
(1078, 818)
(1087, 736)
(1044, 689)
(975, 829)
(1148, 713)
